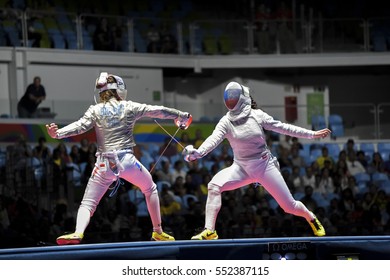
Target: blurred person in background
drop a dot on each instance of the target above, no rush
(34, 95)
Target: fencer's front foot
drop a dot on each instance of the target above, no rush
(206, 234)
(161, 236)
(317, 227)
(70, 239)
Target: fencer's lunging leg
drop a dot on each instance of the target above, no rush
(213, 205)
(138, 175)
(153, 204)
(274, 183)
(83, 218)
(96, 188)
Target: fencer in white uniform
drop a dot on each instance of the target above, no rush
(113, 119)
(253, 162)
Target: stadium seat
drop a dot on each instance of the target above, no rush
(162, 184)
(379, 178)
(383, 146)
(336, 124)
(210, 45)
(367, 148)
(386, 187)
(318, 122)
(186, 197)
(298, 195)
(225, 44)
(362, 178)
(333, 149)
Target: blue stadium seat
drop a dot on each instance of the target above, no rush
(383, 146)
(386, 187)
(367, 148)
(379, 178)
(318, 122)
(333, 149)
(362, 178)
(336, 124)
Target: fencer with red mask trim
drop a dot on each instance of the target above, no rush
(253, 162)
(113, 119)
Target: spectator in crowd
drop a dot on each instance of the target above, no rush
(350, 147)
(377, 164)
(309, 179)
(295, 143)
(286, 143)
(34, 95)
(154, 40)
(178, 170)
(33, 35)
(74, 154)
(308, 199)
(184, 140)
(296, 158)
(103, 37)
(164, 173)
(353, 165)
(198, 140)
(84, 150)
(263, 31)
(361, 157)
(296, 179)
(168, 148)
(325, 157)
(284, 158)
(42, 151)
(168, 41)
(341, 177)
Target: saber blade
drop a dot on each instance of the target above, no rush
(166, 147)
(172, 136)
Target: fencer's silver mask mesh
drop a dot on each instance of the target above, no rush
(234, 94)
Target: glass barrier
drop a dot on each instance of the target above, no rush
(104, 33)
(220, 37)
(378, 34)
(156, 35)
(11, 28)
(383, 112)
(52, 30)
(278, 36)
(337, 35)
(59, 29)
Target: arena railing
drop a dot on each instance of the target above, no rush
(193, 37)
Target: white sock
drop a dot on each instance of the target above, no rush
(83, 218)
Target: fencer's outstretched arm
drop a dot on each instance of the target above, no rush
(209, 144)
(322, 133)
(52, 130)
(269, 123)
(80, 126)
(156, 111)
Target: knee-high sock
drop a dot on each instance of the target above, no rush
(213, 205)
(299, 209)
(153, 204)
(83, 218)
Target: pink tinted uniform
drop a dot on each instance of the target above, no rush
(253, 161)
(114, 124)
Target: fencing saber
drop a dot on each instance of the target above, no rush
(173, 137)
(166, 147)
